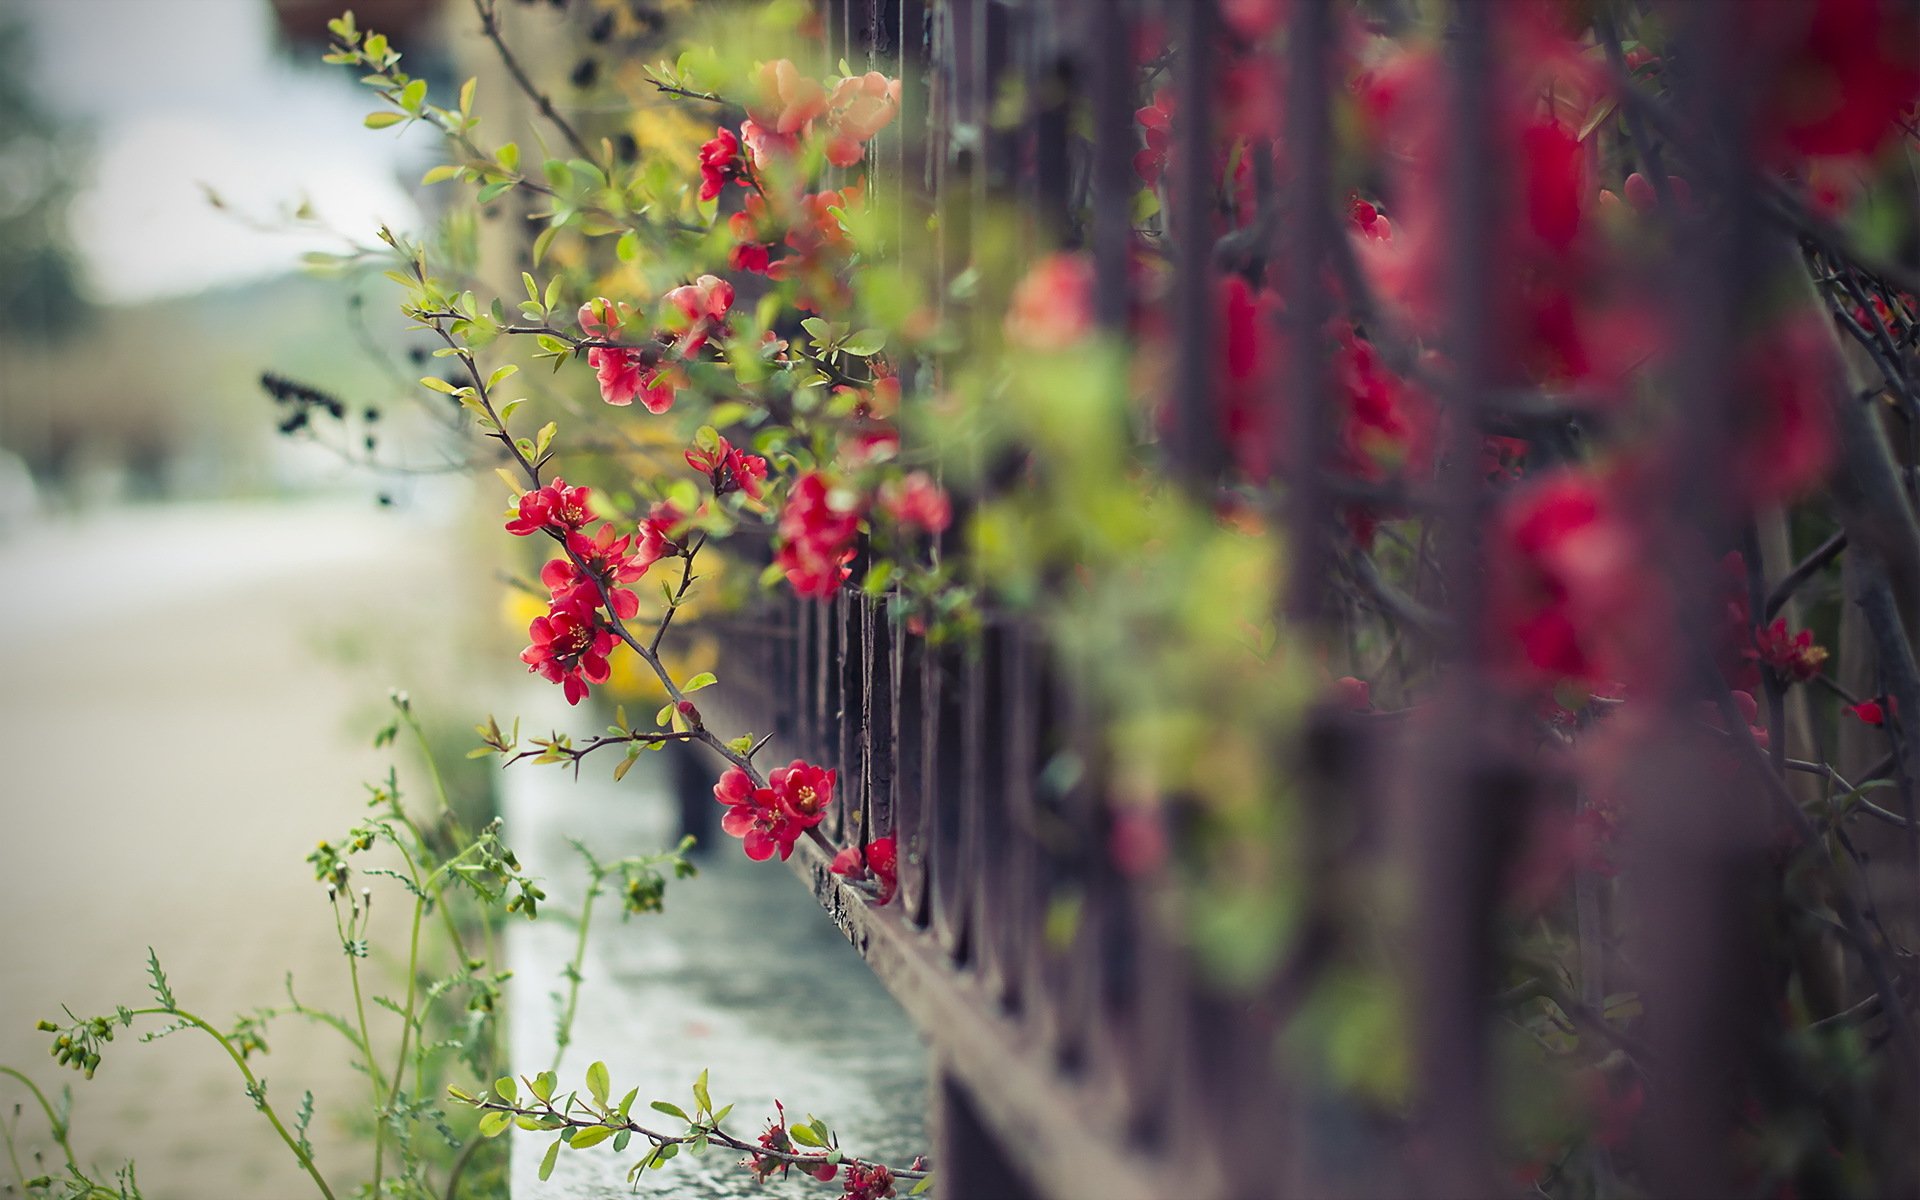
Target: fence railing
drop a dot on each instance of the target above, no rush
(1087, 1057)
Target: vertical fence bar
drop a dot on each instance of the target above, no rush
(1306, 426)
(1192, 432)
(912, 813)
(1454, 859)
(1702, 853)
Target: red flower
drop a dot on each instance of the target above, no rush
(1156, 125)
(1369, 221)
(754, 817)
(656, 535)
(1354, 695)
(916, 502)
(608, 561)
(1872, 712)
(569, 647)
(729, 469)
(719, 162)
(1794, 658)
(868, 1181)
(817, 538)
(626, 376)
(774, 1138)
(1568, 593)
(803, 792)
(703, 306)
(1838, 72)
(1783, 437)
(750, 253)
(879, 860)
(555, 506)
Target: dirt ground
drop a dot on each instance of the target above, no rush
(188, 702)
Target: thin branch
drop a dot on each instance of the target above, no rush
(490, 25)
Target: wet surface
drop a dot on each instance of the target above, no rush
(743, 975)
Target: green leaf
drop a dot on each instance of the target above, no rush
(702, 680)
(413, 95)
(592, 1135)
(508, 156)
(493, 191)
(700, 1093)
(380, 120)
(805, 1136)
(546, 1162)
(621, 1139)
(541, 1085)
(867, 341)
(505, 372)
(922, 1186)
(821, 330)
(544, 438)
(466, 109)
(442, 172)
(435, 383)
(495, 1123)
(597, 1083)
(541, 243)
(670, 1109)
(507, 1089)
(626, 1102)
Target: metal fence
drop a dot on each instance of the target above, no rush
(1101, 1066)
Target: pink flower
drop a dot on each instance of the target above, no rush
(600, 318)
(1052, 307)
(555, 506)
(916, 502)
(754, 817)
(703, 306)
(786, 101)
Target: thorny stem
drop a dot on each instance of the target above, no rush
(686, 580)
(619, 627)
(490, 25)
(712, 1131)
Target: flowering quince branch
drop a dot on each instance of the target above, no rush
(586, 1121)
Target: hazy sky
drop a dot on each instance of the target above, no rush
(185, 92)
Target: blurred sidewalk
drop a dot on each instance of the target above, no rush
(190, 693)
(742, 975)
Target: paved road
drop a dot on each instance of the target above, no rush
(188, 696)
(187, 702)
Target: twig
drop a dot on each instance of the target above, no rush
(490, 25)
